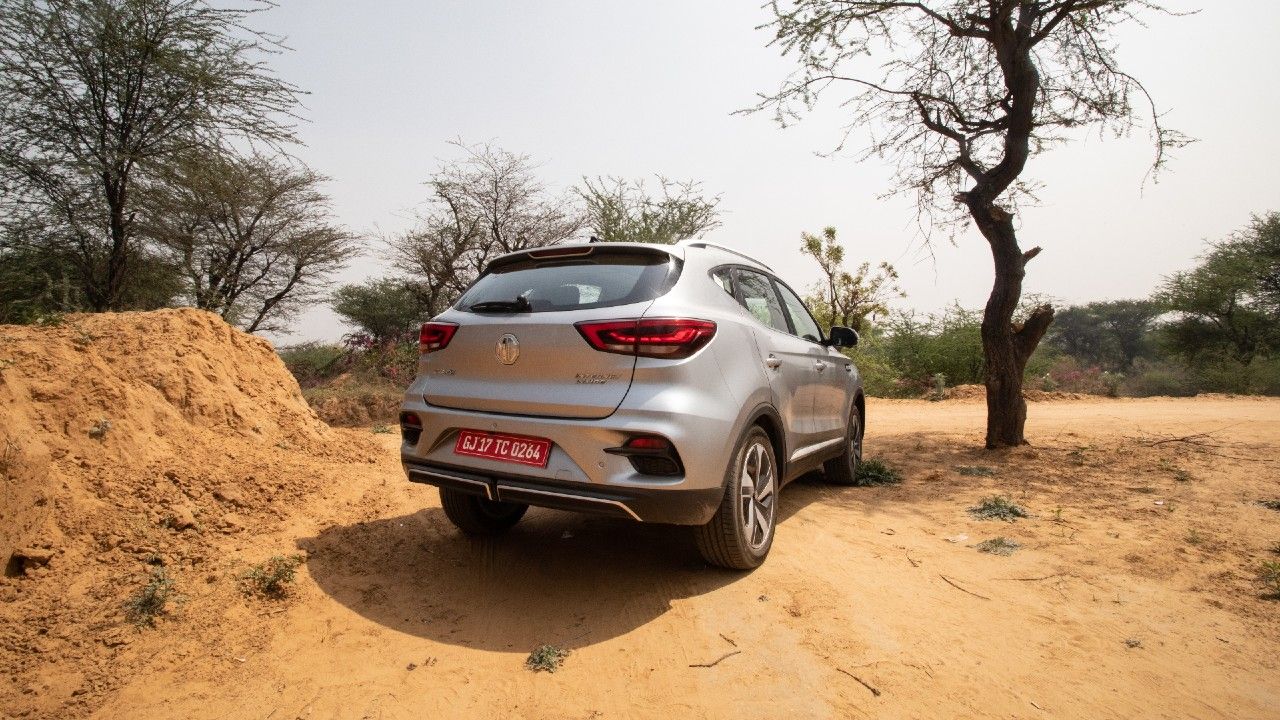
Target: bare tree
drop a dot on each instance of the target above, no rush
(842, 297)
(968, 91)
(489, 203)
(94, 91)
(620, 210)
(253, 235)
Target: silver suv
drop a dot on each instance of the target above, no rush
(677, 384)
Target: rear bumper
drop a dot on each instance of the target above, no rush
(668, 505)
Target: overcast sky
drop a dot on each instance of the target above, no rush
(594, 87)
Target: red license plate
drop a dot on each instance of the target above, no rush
(506, 448)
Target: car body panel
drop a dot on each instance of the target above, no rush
(702, 404)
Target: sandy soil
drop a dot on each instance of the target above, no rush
(1133, 594)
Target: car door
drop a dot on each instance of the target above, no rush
(831, 395)
(789, 362)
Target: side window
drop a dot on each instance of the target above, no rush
(724, 279)
(800, 317)
(759, 299)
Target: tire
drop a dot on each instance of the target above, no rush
(741, 532)
(843, 470)
(475, 515)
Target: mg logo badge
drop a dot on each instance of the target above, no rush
(508, 349)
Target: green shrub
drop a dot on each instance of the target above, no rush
(312, 363)
(144, 606)
(1165, 379)
(1269, 576)
(546, 658)
(875, 472)
(998, 546)
(272, 578)
(997, 507)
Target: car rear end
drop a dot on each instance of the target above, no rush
(581, 377)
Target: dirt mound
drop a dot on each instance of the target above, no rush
(130, 441)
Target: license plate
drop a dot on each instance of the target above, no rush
(505, 448)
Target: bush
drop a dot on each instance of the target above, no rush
(272, 578)
(997, 507)
(875, 472)
(1167, 379)
(144, 606)
(312, 363)
(1067, 374)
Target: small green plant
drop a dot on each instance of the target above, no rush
(148, 603)
(975, 470)
(272, 578)
(100, 429)
(875, 472)
(997, 507)
(1077, 456)
(53, 319)
(1269, 576)
(939, 391)
(546, 657)
(5, 364)
(998, 546)
(82, 338)
(381, 430)
(1195, 538)
(1057, 516)
(1270, 504)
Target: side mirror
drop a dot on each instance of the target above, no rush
(842, 337)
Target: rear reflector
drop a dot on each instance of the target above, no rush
(435, 336)
(649, 337)
(648, 442)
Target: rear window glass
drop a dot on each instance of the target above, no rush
(603, 279)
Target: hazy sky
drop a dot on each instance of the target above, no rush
(636, 88)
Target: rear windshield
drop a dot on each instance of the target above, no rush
(603, 279)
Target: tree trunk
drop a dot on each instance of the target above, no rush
(1006, 347)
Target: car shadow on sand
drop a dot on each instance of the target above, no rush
(558, 578)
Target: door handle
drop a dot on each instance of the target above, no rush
(773, 362)
(820, 366)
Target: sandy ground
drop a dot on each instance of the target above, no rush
(168, 442)
(1133, 595)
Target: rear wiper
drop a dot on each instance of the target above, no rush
(520, 304)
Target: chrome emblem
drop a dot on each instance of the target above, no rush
(508, 349)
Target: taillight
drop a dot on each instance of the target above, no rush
(649, 337)
(435, 336)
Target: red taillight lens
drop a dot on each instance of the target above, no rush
(435, 336)
(649, 337)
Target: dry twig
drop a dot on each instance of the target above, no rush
(717, 660)
(952, 584)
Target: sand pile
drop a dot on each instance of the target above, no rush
(130, 441)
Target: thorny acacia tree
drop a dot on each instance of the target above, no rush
(95, 91)
(489, 203)
(253, 236)
(621, 210)
(842, 297)
(968, 91)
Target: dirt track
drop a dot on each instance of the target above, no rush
(855, 587)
